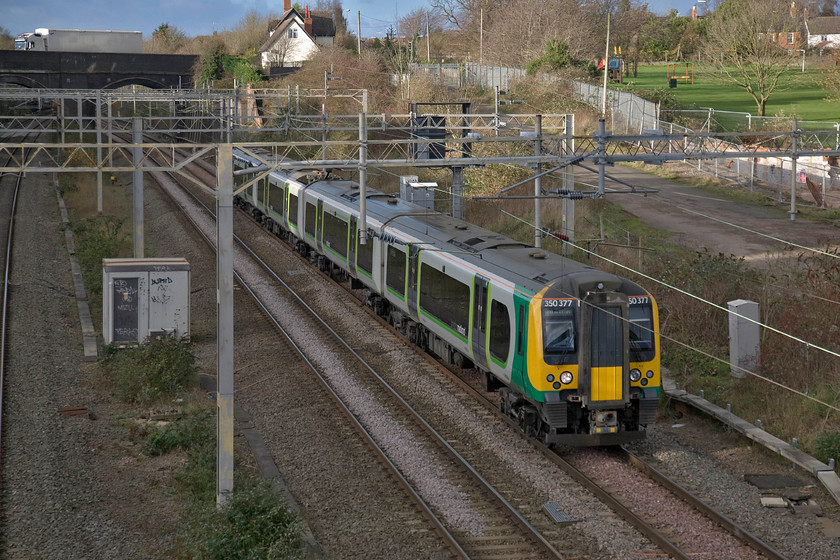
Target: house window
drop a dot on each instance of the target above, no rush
(790, 38)
(293, 33)
(824, 38)
(760, 36)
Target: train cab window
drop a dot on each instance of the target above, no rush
(520, 332)
(395, 271)
(364, 256)
(293, 209)
(445, 298)
(275, 198)
(641, 331)
(335, 234)
(310, 220)
(558, 329)
(499, 331)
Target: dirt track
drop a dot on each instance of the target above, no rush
(702, 220)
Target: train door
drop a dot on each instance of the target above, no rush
(606, 334)
(413, 268)
(319, 228)
(479, 324)
(351, 251)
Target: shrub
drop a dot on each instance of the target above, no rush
(253, 524)
(96, 239)
(827, 446)
(158, 368)
(191, 432)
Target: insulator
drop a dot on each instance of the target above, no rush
(574, 195)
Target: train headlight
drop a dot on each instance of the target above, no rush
(635, 374)
(644, 382)
(566, 377)
(649, 374)
(550, 377)
(556, 385)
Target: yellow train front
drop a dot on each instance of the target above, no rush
(591, 374)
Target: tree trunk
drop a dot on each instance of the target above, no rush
(761, 107)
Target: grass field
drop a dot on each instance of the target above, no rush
(800, 94)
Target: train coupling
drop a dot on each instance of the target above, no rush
(603, 422)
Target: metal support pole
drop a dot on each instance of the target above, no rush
(602, 152)
(793, 173)
(99, 152)
(538, 185)
(496, 110)
(137, 153)
(324, 130)
(224, 323)
(457, 191)
(79, 117)
(362, 178)
(569, 184)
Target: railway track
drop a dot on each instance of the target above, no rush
(9, 188)
(500, 542)
(469, 515)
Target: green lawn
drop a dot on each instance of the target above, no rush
(799, 95)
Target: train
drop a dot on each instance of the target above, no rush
(573, 351)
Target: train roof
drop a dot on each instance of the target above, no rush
(529, 267)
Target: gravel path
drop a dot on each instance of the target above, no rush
(52, 499)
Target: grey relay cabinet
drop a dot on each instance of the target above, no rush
(143, 298)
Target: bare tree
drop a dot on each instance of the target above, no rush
(7, 40)
(742, 41)
(249, 33)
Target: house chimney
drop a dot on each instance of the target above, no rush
(287, 5)
(307, 21)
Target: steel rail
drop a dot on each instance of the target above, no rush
(531, 531)
(5, 305)
(716, 516)
(426, 511)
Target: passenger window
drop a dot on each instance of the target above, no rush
(499, 331)
(395, 273)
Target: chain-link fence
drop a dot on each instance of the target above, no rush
(630, 114)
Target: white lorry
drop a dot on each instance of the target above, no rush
(80, 40)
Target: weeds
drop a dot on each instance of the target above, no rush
(253, 524)
(159, 368)
(827, 446)
(97, 239)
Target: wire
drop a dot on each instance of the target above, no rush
(683, 344)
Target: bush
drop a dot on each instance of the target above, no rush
(827, 446)
(253, 524)
(191, 432)
(96, 239)
(158, 368)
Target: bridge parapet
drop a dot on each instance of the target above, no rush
(62, 70)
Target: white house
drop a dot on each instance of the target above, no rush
(823, 32)
(293, 39)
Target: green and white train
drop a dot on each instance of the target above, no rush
(573, 351)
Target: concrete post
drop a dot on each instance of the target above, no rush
(744, 336)
(224, 323)
(362, 178)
